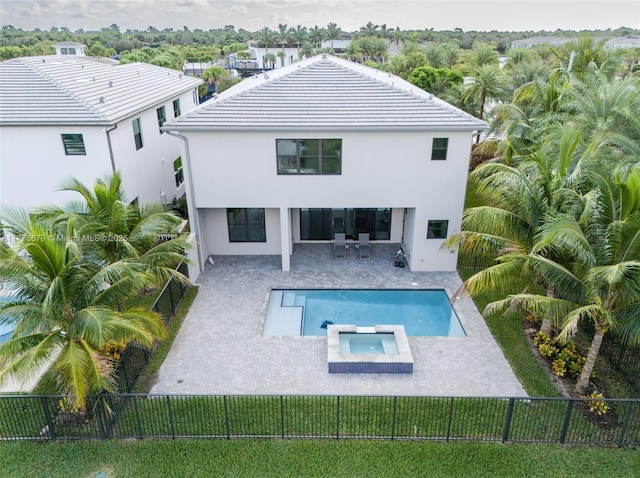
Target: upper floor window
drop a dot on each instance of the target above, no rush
(73, 145)
(246, 225)
(437, 229)
(176, 107)
(162, 117)
(439, 149)
(68, 51)
(137, 133)
(177, 171)
(309, 156)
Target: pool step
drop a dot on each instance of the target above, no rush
(284, 319)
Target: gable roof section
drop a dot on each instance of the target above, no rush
(55, 90)
(325, 93)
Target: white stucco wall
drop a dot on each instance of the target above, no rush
(33, 163)
(378, 170)
(148, 172)
(215, 239)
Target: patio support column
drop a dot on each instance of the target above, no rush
(285, 238)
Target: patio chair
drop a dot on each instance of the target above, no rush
(364, 248)
(340, 246)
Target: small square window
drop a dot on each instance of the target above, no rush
(439, 149)
(176, 107)
(137, 133)
(73, 145)
(437, 229)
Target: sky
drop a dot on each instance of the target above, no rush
(252, 15)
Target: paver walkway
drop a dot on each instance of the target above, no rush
(220, 349)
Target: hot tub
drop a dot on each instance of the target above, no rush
(377, 349)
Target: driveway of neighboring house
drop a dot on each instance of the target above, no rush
(220, 349)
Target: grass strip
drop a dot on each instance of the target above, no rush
(311, 458)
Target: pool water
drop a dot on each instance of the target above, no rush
(359, 344)
(5, 329)
(422, 312)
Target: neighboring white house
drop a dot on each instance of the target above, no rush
(69, 48)
(290, 56)
(324, 146)
(71, 116)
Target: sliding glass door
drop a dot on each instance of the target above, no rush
(321, 224)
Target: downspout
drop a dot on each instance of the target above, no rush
(113, 161)
(191, 199)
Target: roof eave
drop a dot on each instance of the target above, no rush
(204, 129)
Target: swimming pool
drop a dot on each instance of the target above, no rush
(309, 311)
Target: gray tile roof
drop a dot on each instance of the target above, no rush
(74, 90)
(325, 93)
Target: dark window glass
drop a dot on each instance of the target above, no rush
(176, 108)
(322, 224)
(246, 225)
(73, 145)
(439, 149)
(437, 229)
(309, 156)
(161, 117)
(177, 170)
(137, 133)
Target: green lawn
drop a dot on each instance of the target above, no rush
(309, 458)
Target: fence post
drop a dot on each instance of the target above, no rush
(137, 412)
(393, 420)
(47, 417)
(450, 418)
(565, 425)
(507, 422)
(173, 431)
(625, 425)
(100, 411)
(282, 416)
(226, 417)
(338, 418)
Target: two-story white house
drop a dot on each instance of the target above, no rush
(324, 146)
(73, 116)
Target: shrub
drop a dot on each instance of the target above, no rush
(597, 404)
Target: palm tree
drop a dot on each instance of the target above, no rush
(597, 275)
(216, 75)
(316, 35)
(481, 54)
(299, 35)
(67, 310)
(283, 36)
(126, 232)
(369, 29)
(516, 202)
(267, 38)
(489, 83)
(333, 33)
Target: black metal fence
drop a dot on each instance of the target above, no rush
(475, 261)
(542, 420)
(134, 358)
(624, 358)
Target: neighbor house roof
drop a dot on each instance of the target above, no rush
(68, 43)
(51, 90)
(325, 93)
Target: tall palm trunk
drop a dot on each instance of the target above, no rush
(582, 386)
(547, 325)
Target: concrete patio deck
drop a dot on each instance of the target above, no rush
(220, 349)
